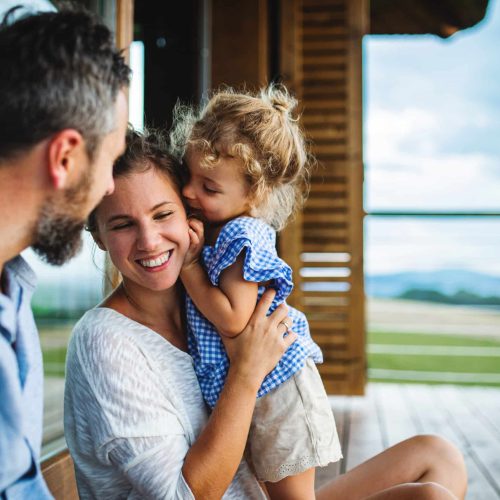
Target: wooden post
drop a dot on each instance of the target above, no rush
(124, 35)
(124, 25)
(290, 68)
(240, 55)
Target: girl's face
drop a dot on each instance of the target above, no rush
(220, 193)
(144, 228)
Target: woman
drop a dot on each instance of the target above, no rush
(135, 420)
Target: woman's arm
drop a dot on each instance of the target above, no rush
(211, 463)
(229, 306)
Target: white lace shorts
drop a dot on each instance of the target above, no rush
(293, 428)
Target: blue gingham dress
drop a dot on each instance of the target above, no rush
(261, 264)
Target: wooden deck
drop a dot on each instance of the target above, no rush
(389, 413)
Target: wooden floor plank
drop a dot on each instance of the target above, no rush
(485, 403)
(484, 445)
(365, 433)
(434, 419)
(395, 415)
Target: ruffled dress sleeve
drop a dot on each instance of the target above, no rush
(261, 262)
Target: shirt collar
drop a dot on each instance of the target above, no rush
(20, 281)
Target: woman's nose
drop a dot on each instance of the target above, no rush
(148, 239)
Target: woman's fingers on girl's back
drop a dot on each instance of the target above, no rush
(279, 315)
(263, 305)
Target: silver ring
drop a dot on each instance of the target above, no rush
(287, 326)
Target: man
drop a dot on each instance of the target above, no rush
(63, 118)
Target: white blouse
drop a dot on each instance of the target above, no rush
(132, 409)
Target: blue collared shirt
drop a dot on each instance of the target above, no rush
(21, 387)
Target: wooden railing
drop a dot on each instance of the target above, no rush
(59, 475)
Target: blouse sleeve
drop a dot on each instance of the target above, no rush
(261, 261)
(134, 423)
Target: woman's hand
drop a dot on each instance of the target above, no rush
(196, 242)
(212, 461)
(259, 347)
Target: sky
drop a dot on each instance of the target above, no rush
(431, 142)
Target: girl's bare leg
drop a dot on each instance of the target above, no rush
(298, 487)
(421, 459)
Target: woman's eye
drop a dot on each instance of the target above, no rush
(123, 225)
(162, 215)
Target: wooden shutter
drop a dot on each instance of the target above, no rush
(320, 60)
(324, 69)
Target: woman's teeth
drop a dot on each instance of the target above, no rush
(155, 262)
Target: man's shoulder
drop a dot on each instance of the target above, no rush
(18, 269)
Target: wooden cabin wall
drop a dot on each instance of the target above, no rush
(320, 60)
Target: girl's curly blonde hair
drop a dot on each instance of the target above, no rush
(263, 132)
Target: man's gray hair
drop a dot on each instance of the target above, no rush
(59, 70)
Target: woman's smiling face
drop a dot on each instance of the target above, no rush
(144, 228)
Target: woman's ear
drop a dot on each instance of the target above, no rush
(98, 241)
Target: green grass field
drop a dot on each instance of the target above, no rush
(53, 361)
(445, 358)
(454, 363)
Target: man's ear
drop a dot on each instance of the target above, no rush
(66, 153)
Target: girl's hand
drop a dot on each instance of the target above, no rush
(259, 347)
(196, 242)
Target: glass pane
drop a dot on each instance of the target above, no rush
(432, 120)
(433, 300)
(63, 294)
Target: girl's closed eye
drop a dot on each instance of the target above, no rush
(210, 190)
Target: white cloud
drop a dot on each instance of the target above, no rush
(408, 168)
(393, 245)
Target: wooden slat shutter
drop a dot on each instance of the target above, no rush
(325, 72)
(320, 60)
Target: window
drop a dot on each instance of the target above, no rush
(432, 194)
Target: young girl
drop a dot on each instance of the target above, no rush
(248, 170)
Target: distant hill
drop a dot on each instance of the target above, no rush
(447, 282)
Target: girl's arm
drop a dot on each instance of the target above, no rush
(229, 306)
(212, 461)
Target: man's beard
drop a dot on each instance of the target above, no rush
(58, 231)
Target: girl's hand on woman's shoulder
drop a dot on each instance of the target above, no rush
(259, 347)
